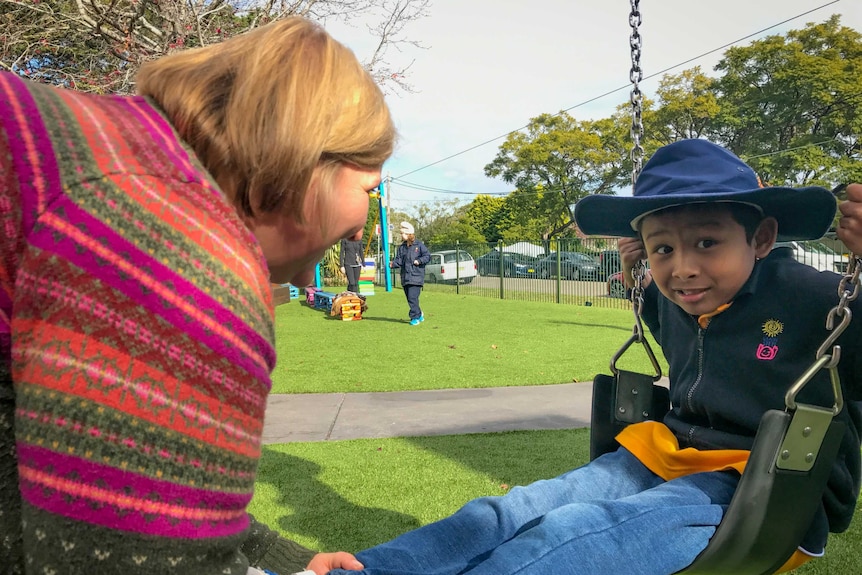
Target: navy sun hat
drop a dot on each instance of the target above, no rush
(698, 171)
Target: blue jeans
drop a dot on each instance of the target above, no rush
(412, 293)
(610, 516)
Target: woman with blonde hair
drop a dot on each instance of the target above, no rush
(140, 237)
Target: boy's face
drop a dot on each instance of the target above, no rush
(700, 258)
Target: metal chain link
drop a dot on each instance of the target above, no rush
(637, 151)
(636, 97)
(637, 155)
(848, 291)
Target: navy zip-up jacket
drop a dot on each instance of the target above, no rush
(724, 377)
(404, 258)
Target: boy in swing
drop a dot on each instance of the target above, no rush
(738, 325)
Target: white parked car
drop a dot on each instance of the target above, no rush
(442, 267)
(817, 255)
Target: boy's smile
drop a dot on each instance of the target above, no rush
(700, 258)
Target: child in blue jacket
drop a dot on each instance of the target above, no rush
(412, 256)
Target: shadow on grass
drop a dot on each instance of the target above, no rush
(373, 318)
(316, 508)
(590, 325)
(514, 457)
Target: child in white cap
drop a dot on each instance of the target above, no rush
(411, 257)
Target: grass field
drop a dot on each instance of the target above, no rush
(466, 341)
(353, 494)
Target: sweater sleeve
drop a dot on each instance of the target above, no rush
(141, 341)
(266, 549)
(11, 551)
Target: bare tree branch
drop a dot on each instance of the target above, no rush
(98, 45)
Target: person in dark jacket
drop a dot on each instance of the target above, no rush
(351, 259)
(738, 326)
(412, 256)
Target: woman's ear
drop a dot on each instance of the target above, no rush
(765, 236)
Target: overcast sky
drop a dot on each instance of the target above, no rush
(492, 65)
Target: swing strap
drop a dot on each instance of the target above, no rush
(619, 400)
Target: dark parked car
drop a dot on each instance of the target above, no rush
(609, 262)
(514, 265)
(572, 266)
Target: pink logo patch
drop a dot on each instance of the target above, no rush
(767, 352)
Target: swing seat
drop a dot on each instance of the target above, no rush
(773, 505)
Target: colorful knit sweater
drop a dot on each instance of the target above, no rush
(136, 343)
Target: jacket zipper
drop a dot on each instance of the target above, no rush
(688, 396)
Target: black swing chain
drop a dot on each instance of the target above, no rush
(637, 151)
(848, 291)
(636, 97)
(637, 155)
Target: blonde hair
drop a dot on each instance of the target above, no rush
(264, 109)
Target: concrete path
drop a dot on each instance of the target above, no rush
(332, 416)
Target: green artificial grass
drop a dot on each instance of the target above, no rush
(465, 342)
(356, 493)
(350, 495)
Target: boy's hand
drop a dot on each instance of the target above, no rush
(631, 252)
(323, 563)
(850, 224)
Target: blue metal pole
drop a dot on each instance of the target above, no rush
(384, 235)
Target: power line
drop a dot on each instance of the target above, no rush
(425, 188)
(624, 87)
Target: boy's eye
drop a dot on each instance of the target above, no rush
(663, 250)
(706, 243)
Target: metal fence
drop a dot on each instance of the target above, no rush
(571, 271)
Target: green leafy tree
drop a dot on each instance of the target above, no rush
(792, 105)
(484, 215)
(685, 108)
(431, 219)
(459, 232)
(555, 162)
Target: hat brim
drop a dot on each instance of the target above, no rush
(802, 213)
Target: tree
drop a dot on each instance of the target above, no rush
(484, 214)
(556, 162)
(686, 107)
(459, 232)
(98, 45)
(791, 106)
(431, 219)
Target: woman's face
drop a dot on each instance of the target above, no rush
(292, 249)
